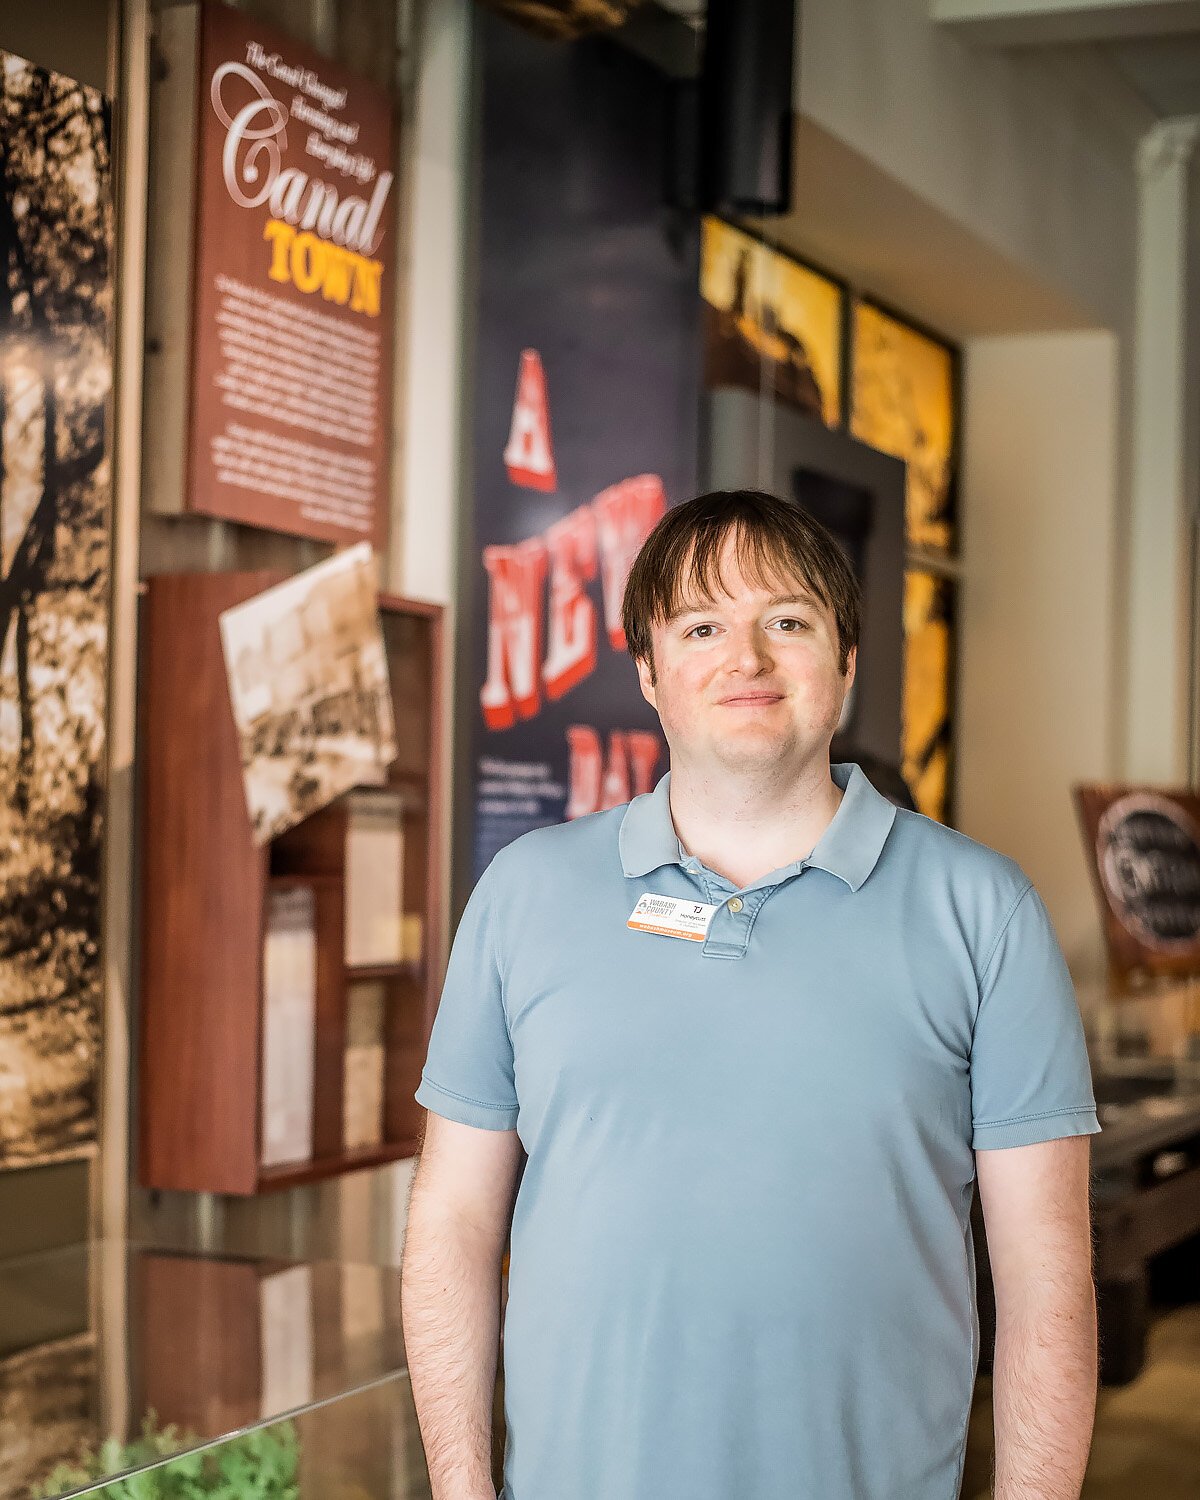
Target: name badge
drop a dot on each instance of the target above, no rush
(670, 917)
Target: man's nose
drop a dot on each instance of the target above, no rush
(750, 650)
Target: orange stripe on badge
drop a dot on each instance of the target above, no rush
(690, 937)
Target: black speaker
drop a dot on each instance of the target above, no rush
(746, 107)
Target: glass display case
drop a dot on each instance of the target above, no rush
(142, 1374)
(1145, 1052)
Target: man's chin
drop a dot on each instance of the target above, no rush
(748, 756)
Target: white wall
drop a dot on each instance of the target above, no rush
(1165, 459)
(434, 395)
(1022, 22)
(1039, 645)
(436, 303)
(1033, 152)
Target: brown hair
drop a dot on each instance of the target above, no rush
(775, 540)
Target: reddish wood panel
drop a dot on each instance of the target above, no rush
(355, 972)
(329, 1070)
(204, 898)
(315, 847)
(196, 1328)
(410, 668)
(299, 1174)
(406, 1038)
(203, 882)
(413, 1005)
(437, 936)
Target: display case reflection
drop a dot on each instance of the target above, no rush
(127, 1372)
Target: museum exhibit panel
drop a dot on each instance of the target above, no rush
(304, 958)
(349, 352)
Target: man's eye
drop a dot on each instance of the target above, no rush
(792, 626)
(697, 628)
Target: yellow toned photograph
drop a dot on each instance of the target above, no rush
(771, 324)
(902, 402)
(928, 664)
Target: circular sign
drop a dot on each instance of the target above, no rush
(1148, 854)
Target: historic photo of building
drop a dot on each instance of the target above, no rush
(309, 687)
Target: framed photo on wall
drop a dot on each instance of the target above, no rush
(1143, 849)
(927, 737)
(772, 325)
(904, 401)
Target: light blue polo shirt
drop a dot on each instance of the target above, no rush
(741, 1262)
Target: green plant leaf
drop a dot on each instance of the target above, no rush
(258, 1465)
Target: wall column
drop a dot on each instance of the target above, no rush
(1159, 737)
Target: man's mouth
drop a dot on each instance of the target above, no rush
(751, 700)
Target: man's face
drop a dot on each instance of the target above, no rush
(751, 680)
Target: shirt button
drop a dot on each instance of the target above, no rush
(736, 904)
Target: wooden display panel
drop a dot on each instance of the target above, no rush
(205, 887)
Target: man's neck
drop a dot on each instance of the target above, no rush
(745, 828)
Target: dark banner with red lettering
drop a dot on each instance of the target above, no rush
(586, 399)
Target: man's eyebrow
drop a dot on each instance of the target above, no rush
(699, 606)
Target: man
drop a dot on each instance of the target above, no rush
(753, 1037)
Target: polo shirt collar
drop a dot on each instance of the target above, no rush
(849, 848)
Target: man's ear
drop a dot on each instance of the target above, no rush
(645, 671)
(851, 666)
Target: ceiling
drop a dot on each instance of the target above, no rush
(1152, 45)
(1164, 70)
(693, 9)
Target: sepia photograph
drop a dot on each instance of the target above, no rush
(903, 402)
(771, 324)
(309, 687)
(47, 1413)
(928, 718)
(55, 375)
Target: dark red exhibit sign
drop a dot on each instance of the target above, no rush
(294, 286)
(1144, 848)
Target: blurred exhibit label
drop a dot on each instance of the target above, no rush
(295, 263)
(56, 227)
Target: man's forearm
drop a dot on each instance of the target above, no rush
(451, 1313)
(1044, 1396)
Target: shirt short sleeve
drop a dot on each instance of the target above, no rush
(1030, 1076)
(468, 1073)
